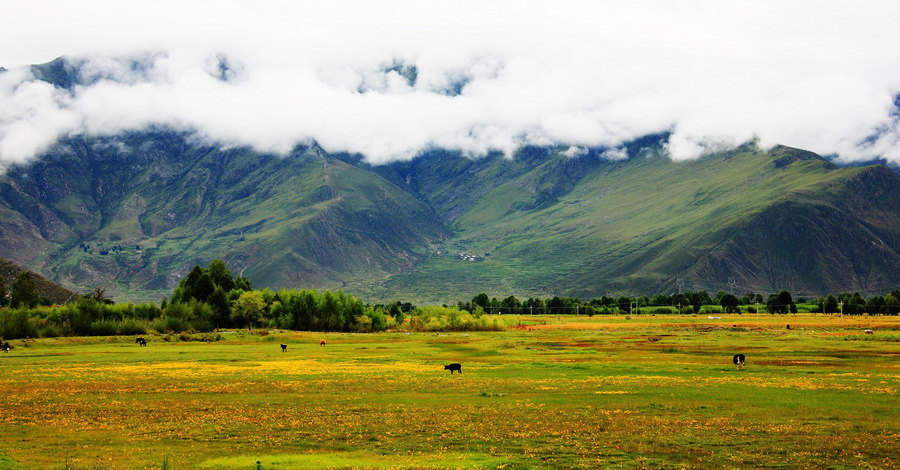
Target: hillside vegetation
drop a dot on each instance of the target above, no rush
(134, 212)
(9, 272)
(745, 219)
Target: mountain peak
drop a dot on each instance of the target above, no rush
(783, 155)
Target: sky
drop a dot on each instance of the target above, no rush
(490, 75)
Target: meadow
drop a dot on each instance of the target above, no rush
(548, 392)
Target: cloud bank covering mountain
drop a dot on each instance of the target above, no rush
(391, 80)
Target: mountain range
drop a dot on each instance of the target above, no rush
(135, 211)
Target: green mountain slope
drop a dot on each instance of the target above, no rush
(743, 220)
(140, 210)
(57, 294)
(134, 212)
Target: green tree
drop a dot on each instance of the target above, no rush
(719, 296)
(730, 303)
(3, 299)
(891, 304)
(220, 275)
(680, 299)
(859, 303)
(248, 309)
(510, 305)
(242, 283)
(481, 300)
(660, 299)
(556, 306)
(781, 302)
(748, 298)
(24, 293)
(874, 304)
(624, 304)
(830, 305)
(218, 300)
(328, 312)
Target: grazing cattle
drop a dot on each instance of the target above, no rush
(453, 367)
(141, 341)
(322, 343)
(6, 347)
(738, 361)
(869, 332)
(283, 348)
(789, 326)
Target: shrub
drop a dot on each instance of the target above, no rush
(363, 324)
(131, 326)
(168, 324)
(662, 310)
(379, 320)
(52, 330)
(707, 309)
(104, 328)
(15, 324)
(451, 319)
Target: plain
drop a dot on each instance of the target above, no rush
(549, 392)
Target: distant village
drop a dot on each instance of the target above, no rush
(469, 257)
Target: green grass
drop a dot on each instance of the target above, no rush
(564, 392)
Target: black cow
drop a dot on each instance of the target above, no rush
(283, 348)
(453, 367)
(738, 360)
(6, 347)
(141, 341)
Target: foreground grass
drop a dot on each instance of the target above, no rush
(554, 392)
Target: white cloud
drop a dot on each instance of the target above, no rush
(573, 152)
(815, 75)
(620, 153)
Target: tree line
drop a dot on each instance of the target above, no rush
(689, 303)
(212, 297)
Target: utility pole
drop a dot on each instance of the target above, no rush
(841, 305)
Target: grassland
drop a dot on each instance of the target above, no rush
(550, 392)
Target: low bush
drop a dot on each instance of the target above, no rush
(661, 310)
(16, 324)
(707, 309)
(451, 319)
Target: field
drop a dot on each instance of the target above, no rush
(550, 392)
